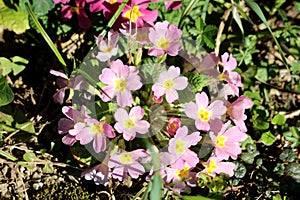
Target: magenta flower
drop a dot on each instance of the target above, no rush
(66, 125)
(127, 162)
(214, 166)
(202, 112)
(95, 5)
(168, 83)
(227, 142)
(173, 125)
(76, 83)
(174, 5)
(121, 80)
(132, 123)
(99, 174)
(179, 148)
(93, 130)
(236, 111)
(136, 11)
(107, 47)
(165, 39)
(67, 12)
(233, 78)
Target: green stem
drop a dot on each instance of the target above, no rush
(188, 9)
(204, 10)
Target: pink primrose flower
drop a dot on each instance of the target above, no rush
(185, 175)
(93, 130)
(236, 111)
(76, 83)
(168, 83)
(99, 174)
(107, 47)
(233, 78)
(121, 80)
(179, 148)
(65, 125)
(136, 11)
(127, 162)
(227, 142)
(61, 1)
(202, 112)
(214, 166)
(165, 39)
(67, 12)
(157, 99)
(173, 125)
(132, 123)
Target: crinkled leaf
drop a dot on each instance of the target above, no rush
(278, 119)
(267, 138)
(295, 67)
(209, 32)
(293, 170)
(248, 158)
(16, 20)
(7, 94)
(29, 157)
(240, 170)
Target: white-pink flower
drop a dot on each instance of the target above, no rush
(179, 148)
(121, 80)
(107, 47)
(227, 142)
(202, 112)
(214, 166)
(132, 123)
(165, 39)
(95, 131)
(168, 83)
(236, 111)
(233, 78)
(127, 162)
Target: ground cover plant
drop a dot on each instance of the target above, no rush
(149, 99)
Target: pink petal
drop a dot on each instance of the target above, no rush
(137, 112)
(68, 140)
(154, 51)
(59, 96)
(200, 125)
(171, 96)
(191, 110)
(64, 125)
(109, 93)
(142, 127)
(99, 143)
(124, 98)
(119, 68)
(107, 76)
(60, 74)
(217, 109)
(180, 83)
(201, 100)
(108, 130)
(121, 115)
(66, 13)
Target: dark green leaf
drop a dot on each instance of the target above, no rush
(42, 7)
(248, 158)
(7, 94)
(240, 170)
(196, 198)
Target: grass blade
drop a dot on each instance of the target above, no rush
(46, 37)
(255, 7)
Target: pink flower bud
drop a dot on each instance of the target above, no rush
(173, 125)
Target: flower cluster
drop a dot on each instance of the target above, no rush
(127, 104)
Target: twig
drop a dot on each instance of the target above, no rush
(220, 31)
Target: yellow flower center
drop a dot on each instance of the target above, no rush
(163, 43)
(211, 167)
(126, 158)
(105, 49)
(129, 123)
(222, 77)
(203, 115)
(111, 1)
(221, 141)
(168, 84)
(97, 128)
(184, 173)
(120, 84)
(133, 14)
(173, 126)
(179, 146)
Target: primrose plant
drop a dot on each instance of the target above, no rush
(138, 109)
